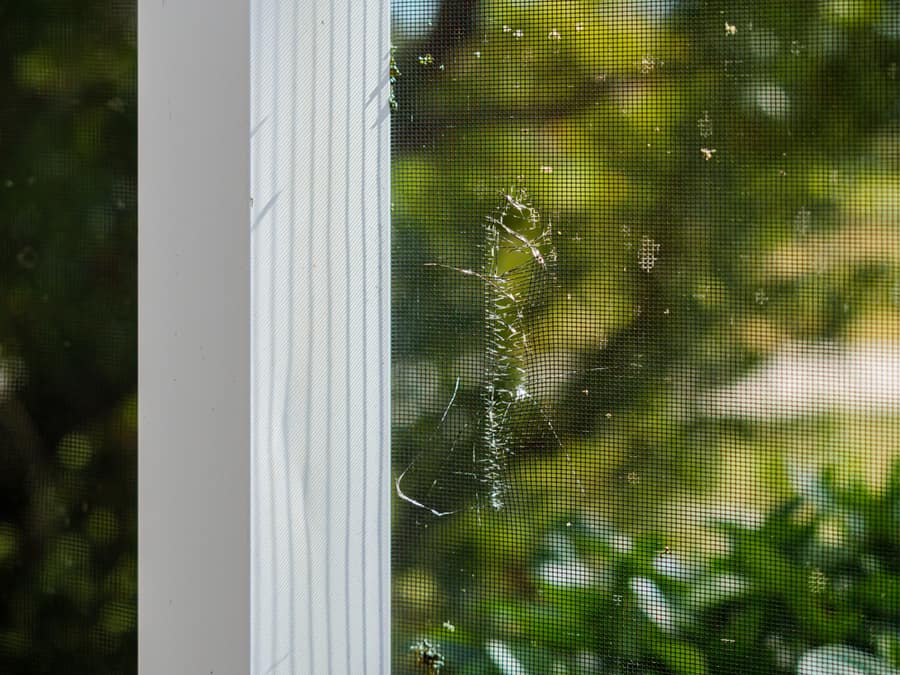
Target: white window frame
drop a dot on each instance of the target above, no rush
(264, 337)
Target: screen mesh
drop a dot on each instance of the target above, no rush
(68, 353)
(646, 336)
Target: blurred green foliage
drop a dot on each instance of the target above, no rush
(819, 569)
(722, 186)
(68, 357)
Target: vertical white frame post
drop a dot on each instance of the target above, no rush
(321, 336)
(194, 337)
(264, 337)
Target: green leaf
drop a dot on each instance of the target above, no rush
(681, 657)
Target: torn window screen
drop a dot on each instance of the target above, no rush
(517, 277)
(645, 336)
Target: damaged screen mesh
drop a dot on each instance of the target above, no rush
(646, 337)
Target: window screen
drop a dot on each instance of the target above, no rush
(646, 336)
(68, 314)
